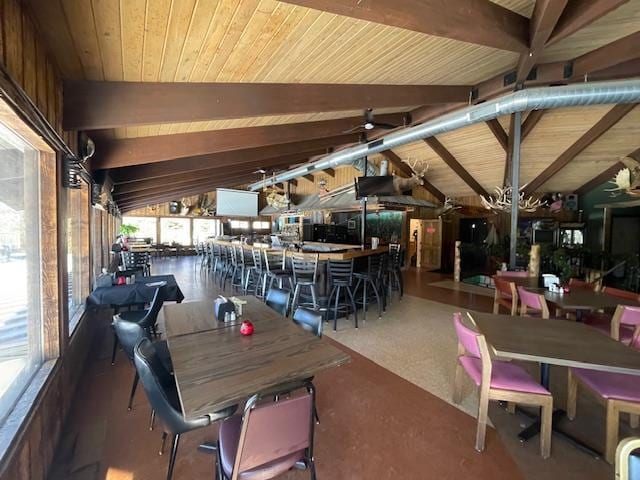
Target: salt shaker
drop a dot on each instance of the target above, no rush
(227, 316)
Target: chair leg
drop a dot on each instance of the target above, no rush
(294, 302)
(152, 420)
(572, 396)
(457, 383)
(511, 407)
(634, 420)
(133, 390)
(546, 428)
(115, 348)
(335, 309)
(353, 305)
(375, 293)
(314, 297)
(612, 425)
(172, 458)
(483, 408)
(364, 300)
(162, 444)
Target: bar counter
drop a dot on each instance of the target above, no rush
(347, 252)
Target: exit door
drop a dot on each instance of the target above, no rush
(431, 245)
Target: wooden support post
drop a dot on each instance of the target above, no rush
(457, 262)
(534, 261)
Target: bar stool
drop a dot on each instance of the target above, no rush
(371, 277)
(276, 270)
(254, 273)
(232, 266)
(394, 270)
(305, 274)
(341, 281)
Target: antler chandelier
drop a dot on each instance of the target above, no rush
(501, 200)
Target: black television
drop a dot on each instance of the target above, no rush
(380, 185)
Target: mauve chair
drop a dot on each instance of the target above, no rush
(506, 295)
(620, 393)
(268, 440)
(623, 325)
(581, 284)
(512, 273)
(532, 301)
(498, 380)
(627, 295)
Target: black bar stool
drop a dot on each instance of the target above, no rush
(305, 274)
(393, 272)
(254, 273)
(276, 270)
(341, 281)
(370, 279)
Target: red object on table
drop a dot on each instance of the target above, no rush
(121, 281)
(246, 328)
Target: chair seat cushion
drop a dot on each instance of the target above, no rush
(504, 376)
(228, 438)
(625, 334)
(133, 315)
(610, 385)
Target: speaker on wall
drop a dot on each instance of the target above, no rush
(571, 202)
(174, 207)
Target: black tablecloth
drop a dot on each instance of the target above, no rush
(137, 293)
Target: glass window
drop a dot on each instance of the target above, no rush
(21, 351)
(146, 227)
(77, 251)
(175, 230)
(243, 224)
(258, 225)
(204, 228)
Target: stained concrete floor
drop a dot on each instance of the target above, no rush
(385, 415)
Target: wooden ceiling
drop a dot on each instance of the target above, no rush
(367, 53)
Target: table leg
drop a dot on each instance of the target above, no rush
(578, 315)
(534, 429)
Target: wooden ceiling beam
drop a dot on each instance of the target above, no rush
(546, 14)
(580, 13)
(407, 171)
(330, 171)
(211, 182)
(117, 153)
(599, 179)
(233, 159)
(454, 165)
(623, 50)
(474, 21)
(309, 177)
(530, 122)
(91, 105)
(499, 133)
(612, 117)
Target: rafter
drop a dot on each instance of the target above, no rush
(403, 167)
(454, 165)
(623, 50)
(474, 21)
(94, 105)
(116, 153)
(545, 16)
(580, 13)
(499, 133)
(612, 117)
(530, 122)
(599, 179)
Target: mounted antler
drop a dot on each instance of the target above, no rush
(627, 180)
(502, 199)
(402, 184)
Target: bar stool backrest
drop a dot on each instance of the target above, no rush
(274, 259)
(341, 271)
(231, 254)
(374, 266)
(247, 256)
(256, 255)
(304, 269)
(395, 255)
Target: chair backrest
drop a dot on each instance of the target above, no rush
(467, 338)
(159, 385)
(395, 256)
(627, 295)
(533, 301)
(129, 335)
(512, 273)
(278, 299)
(506, 291)
(256, 254)
(134, 259)
(309, 320)
(273, 430)
(304, 268)
(154, 309)
(341, 270)
(625, 315)
(581, 284)
(274, 259)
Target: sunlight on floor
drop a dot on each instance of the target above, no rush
(117, 474)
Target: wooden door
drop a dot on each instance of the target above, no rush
(431, 245)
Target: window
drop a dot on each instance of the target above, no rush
(243, 224)
(175, 230)
(77, 251)
(204, 228)
(146, 227)
(21, 345)
(258, 225)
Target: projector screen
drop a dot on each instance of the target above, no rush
(236, 203)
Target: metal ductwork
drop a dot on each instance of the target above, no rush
(596, 93)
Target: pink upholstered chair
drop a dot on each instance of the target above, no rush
(623, 325)
(581, 284)
(512, 273)
(268, 439)
(532, 301)
(497, 380)
(505, 294)
(627, 295)
(618, 392)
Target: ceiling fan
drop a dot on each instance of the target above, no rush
(370, 123)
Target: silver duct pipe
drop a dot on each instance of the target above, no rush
(597, 93)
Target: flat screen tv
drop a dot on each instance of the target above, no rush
(374, 186)
(236, 203)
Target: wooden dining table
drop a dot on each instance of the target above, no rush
(582, 300)
(215, 366)
(555, 342)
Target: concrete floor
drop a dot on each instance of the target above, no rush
(387, 414)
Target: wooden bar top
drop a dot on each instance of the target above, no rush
(356, 251)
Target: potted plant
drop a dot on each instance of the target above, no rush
(562, 263)
(127, 230)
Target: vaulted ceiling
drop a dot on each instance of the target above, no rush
(185, 95)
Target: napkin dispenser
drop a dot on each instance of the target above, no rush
(221, 306)
(104, 280)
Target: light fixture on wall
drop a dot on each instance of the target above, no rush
(501, 200)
